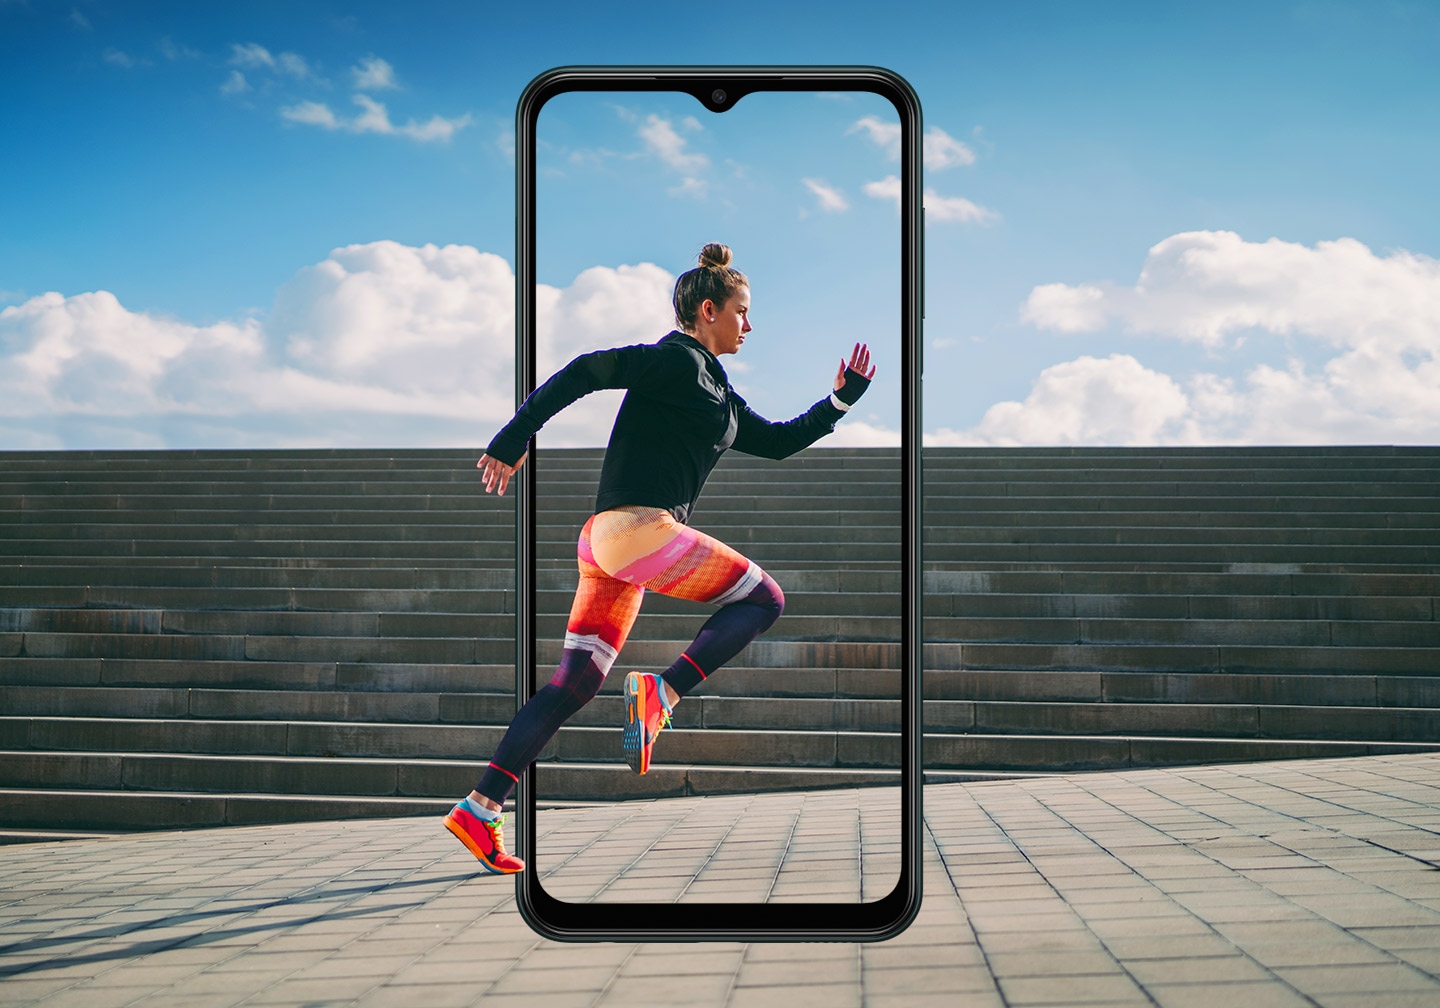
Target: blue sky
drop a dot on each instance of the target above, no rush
(1191, 224)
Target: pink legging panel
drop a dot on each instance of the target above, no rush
(625, 551)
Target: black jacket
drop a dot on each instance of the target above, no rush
(677, 419)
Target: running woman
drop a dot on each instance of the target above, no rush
(678, 417)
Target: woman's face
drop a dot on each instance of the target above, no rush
(731, 323)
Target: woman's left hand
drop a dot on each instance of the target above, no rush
(859, 363)
(493, 472)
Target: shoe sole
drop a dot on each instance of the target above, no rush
(474, 848)
(632, 743)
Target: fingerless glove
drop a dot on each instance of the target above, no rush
(854, 387)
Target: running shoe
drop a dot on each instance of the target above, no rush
(486, 840)
(645, 715)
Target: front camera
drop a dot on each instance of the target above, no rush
(718, 96)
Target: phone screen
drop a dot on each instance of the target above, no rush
(780, 782)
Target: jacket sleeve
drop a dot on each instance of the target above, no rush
(777, 440)
(620, 367)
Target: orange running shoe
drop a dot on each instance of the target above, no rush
(645, 715)
(484, 839)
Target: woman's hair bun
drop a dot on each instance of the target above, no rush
(714, 279)
(715, 254)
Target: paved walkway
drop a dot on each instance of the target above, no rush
(1257, 885)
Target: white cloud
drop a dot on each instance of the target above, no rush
(855, 433)
(944, 151)
(955, 208)
(1089, 401)
(689, 187)
(662, 140)
(602, 307)
(1357, 338)
(940, 149)
(311, 114)
(253, 56)
(1207, 285)
(234, 84)
(87, 354)
(938, 209)
(367, 347)
(291, 64)
(1064, 308)
(887, 188)
(1118, 401)
(373, 74)
(373, 118)
(391, 316)
(378, 344)
(885, 135)
(79, 20)
(116, 57)
(435, 128)
(174, 51)
(832, 200)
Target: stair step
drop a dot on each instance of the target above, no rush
(756, 747)
(1024, 752)
(242, 635)
(1335, 720)
(120, 811)
(1185, 658)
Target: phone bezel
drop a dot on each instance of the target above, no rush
(871, 921)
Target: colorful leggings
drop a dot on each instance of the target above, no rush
(621, 553)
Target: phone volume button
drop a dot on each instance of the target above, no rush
(922, 262)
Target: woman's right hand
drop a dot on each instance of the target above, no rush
(493, 471)
(859, 363)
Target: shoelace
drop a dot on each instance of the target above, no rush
(497, 833)
(664, 709)
(664, 721)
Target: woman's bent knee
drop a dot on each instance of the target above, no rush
(767, 595)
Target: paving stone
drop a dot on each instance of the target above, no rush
(22, 989)
(1404, 937)
(298, 992)
(809, 995)
(213, 1000)
(551, 980)
(384, 910)
(1251, 995)
(1379, 999)
(1206, 970)
(1050, 963)
(676, 988)
(1357, 978)
(399, 995)
(973, 999)
(569, 999)
(782, 973)
(1075, 989)
(1133, 948)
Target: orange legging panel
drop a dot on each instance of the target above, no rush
(624, 551)
(621, 553)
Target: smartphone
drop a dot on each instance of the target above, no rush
(783, 801)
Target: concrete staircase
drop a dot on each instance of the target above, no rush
(199, 638)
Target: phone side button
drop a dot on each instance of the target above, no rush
(922, 263)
